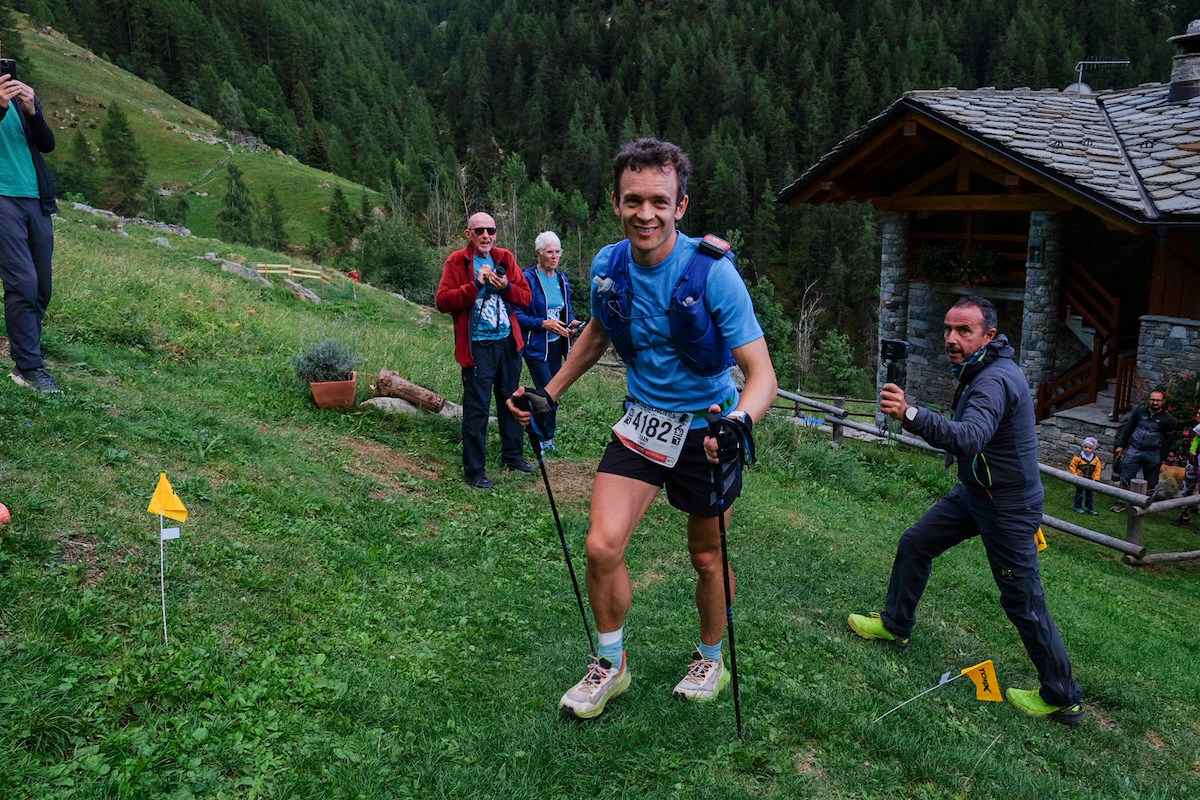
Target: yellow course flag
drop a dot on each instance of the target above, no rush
(166, 502)
(1040, 538)
(987, 686)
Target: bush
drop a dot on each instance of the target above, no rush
(327, 360)
(395, 255)
(836, 370)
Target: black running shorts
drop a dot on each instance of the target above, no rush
(689, 483)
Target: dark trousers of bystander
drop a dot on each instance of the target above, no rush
(497, 373)
(541, 371)
(1007, 532)
(26, 248)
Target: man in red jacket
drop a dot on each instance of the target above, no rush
(480, 286)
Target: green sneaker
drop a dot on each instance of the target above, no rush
(872, 628)
(1030, 701)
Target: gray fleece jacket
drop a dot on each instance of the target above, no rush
(992, 434)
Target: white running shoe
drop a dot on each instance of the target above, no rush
(587, 699)
(705, 678)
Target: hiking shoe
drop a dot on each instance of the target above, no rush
(1030, 701)
(1180, 522)
(38, 379)
(587, 699)
(1079, 511)
(1093, 512)
(1118, 508)
(519, 466)
(480, 481)
(872, 628)
(704, 679)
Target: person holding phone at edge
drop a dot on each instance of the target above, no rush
(26, 231)
(650, 196)
(547, 322)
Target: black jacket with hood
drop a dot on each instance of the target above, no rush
(992, 434)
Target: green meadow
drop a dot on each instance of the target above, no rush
(348, 619)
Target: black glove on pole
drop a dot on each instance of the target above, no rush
(537, 402)
(714, 424)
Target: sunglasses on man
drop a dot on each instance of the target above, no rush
(482, 231)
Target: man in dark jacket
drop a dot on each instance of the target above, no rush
(998, 498)
(1145, 442)
(26, 232)
(480, 286)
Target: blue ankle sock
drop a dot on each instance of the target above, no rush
(611, 646)
(711, 651)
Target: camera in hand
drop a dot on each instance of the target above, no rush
(893, 352)
(8, 66)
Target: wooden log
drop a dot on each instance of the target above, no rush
(390, 384)
(1129, 548)
(1155, 558)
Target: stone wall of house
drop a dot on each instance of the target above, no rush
(893, 283)
(1043, 290)
(928, 381)
(1168, 347)
(1061, 436)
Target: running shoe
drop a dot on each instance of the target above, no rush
(1030, 701)
(588, 698)
(872, 628)
(38, 379)
(705, 678)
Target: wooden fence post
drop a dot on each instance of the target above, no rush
(838, 429)
(1133, 525)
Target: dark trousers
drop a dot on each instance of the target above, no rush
(1083, 498)
(542, 371)
(26, 247)
(497, 372)
(1008, 539)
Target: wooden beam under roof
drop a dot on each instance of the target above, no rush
(975, 202)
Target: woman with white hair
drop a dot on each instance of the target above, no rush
(547, 322)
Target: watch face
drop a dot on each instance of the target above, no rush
(910, 413)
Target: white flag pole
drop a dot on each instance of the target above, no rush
(162, 574)
(945, 680)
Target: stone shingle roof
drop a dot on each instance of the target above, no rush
(1128, 148)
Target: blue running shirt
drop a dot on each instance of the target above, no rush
(489, 319)
(657, 376)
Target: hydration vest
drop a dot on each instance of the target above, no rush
(694, 333)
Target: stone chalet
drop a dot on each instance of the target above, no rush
(1082, 211)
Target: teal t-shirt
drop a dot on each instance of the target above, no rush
(657, 376)
(489, 320)
(17, 178)
(554, 300)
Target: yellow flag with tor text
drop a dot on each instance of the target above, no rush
(987, 686)
(166, 502)
(1040, 538)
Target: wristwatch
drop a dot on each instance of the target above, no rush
(910, 414)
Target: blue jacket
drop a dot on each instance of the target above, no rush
(530, 317)
(992, 434)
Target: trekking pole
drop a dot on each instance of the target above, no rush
(713, 418)
(535, 442)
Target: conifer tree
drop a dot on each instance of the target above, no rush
(342, 223)
(78, 174)
(270, 230)
(235, 220)
(125, 178)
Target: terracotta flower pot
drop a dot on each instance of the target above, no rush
(335, 394)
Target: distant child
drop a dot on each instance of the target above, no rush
(1191, 474)
(1086, 465)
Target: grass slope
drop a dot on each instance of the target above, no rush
(349, 620)
(77, 87)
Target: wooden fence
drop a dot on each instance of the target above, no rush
(290, 271)
(1138, 505)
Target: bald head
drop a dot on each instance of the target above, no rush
(481, 233)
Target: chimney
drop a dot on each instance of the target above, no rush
(1185, 67)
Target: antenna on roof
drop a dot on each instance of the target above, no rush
(1083, 88)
